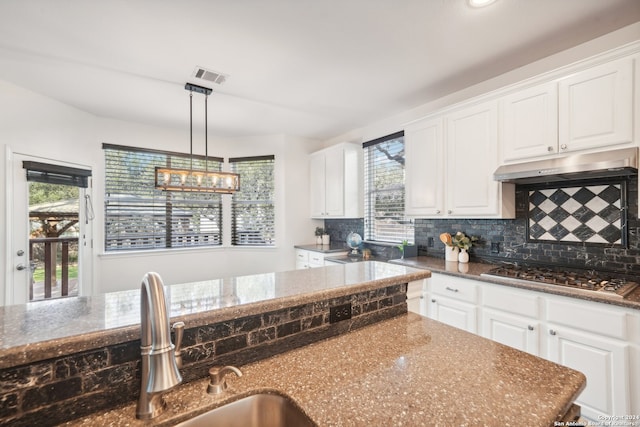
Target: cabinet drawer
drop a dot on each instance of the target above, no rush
(456, 288)
(302, 256)
(520, 303)
(587, 317)
(316, 259)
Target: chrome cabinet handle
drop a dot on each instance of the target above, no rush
(563, 147)
(552, 332)
(438, 211)
(449, 211)
(433, 300)
(451, 289)
(549, 148)
(530, 327)
(20, 267)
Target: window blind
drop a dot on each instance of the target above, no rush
(385, 220)
(140, 217)
(253, 208)
(55, 174)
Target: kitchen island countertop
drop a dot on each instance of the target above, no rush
(46, 329)
(408, 370)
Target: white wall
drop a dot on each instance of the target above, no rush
(395, 123)
(35, 125)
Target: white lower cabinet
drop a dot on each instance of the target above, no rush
(313, 259)
(454, 301)
(605, 363)
(416, 297)
(596, 340)
(511, 317)
(515, 331)
(600, 340)
(459, 314)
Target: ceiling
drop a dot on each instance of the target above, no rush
(309, 68)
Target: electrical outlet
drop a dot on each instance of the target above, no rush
(340, 313)
(429, 242)
(495, 247)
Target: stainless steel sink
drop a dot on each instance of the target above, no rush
(257, 410)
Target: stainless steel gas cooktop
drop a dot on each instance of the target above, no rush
(589, 281)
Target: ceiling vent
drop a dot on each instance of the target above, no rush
(210, 76)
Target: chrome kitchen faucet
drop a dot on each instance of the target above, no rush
(160, 359)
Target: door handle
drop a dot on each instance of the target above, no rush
(20, 267)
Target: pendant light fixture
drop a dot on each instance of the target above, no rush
(196, 180)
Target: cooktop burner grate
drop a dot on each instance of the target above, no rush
(586, 280)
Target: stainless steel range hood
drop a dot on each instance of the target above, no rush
(606, 164)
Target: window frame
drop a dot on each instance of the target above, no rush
(261, 238)
(154, 204)
(404, 228)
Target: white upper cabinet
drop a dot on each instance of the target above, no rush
(336, 182)
(424, 168)
(471, 158)
(450, 162)
(529, 122)
(452, 154)
(596, 107)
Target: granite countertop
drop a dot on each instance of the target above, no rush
(408, 371)
(474, 270)
(347, 259)
(325, 249)
(45, 329)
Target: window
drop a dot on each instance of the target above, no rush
(139, 217)
(253, 208)
(384, 190)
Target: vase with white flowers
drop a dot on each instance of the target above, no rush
(464, 243)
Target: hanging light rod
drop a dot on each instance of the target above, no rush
(198, 89)
(195, 180)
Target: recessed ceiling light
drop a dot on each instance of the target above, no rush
(480, 3)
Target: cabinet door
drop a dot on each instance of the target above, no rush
(334, 182)
(472, 146)
(596, 107)
(424, 169)
(515, 331)
(604, 362)
(454, 313)
(302, 259)
(317, 185)
(416, 304)
(416, 297)
(529, 123)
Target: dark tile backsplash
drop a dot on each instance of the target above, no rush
(593, 214)
(50, 392)
(510, 236)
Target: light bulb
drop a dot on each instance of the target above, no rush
(480, 3)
